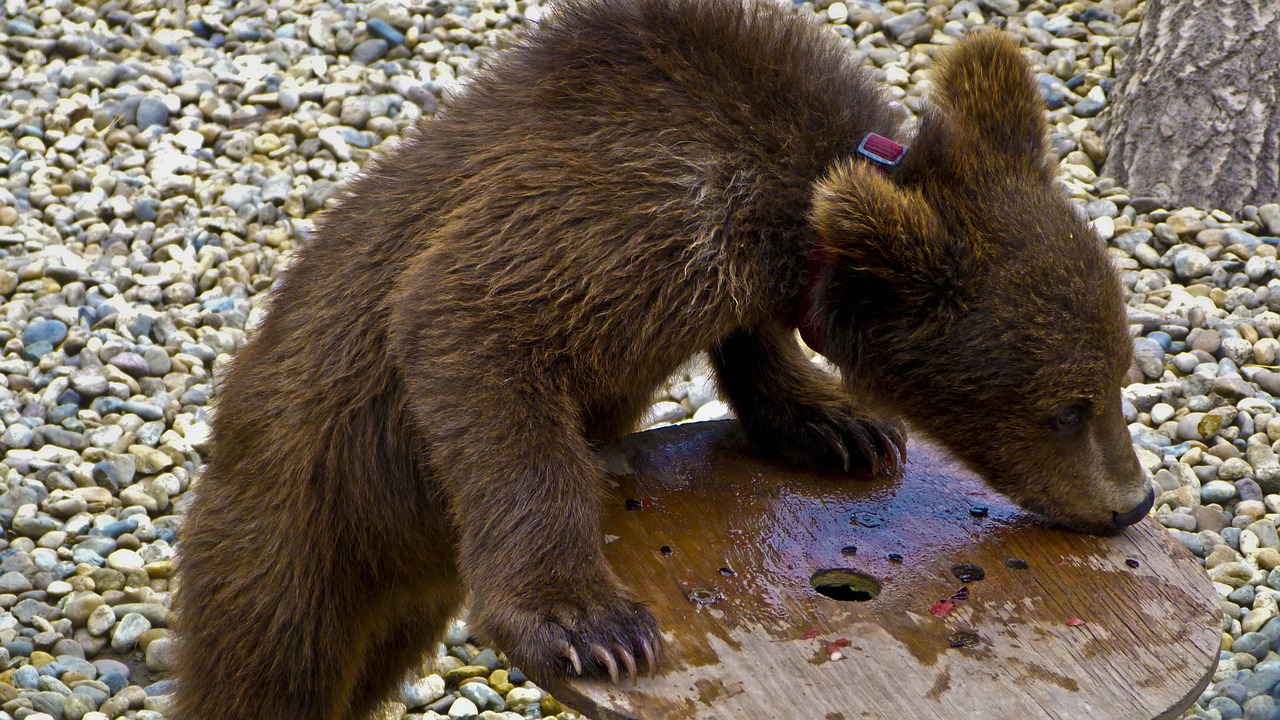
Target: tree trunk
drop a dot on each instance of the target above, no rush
(1195, 116)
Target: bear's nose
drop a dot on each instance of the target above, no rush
(1136, 513)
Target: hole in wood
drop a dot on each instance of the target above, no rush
(846, 585)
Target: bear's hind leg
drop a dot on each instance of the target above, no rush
(793, 412)
(331, 640)
(412, 625)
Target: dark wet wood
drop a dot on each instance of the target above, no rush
(1147, 646)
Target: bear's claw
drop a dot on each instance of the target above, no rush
(827, 435)
(628, 661)
(571, 654)
(835, 437)
(650, 657)
(582, 635)
(605, 658)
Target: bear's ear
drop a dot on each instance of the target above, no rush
(985, 87)
(886, 242)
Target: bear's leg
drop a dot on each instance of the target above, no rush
(331, 641)
(301, 599)
(525, 487)
(795, 413)
(409, 629)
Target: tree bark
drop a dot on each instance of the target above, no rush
(1195, 116)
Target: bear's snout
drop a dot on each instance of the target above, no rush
(1133, 515)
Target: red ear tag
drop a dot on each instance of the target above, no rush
(881, 151)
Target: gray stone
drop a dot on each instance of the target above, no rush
(1190, 427)
(1179, 521)
(463, 709)
(27, 677)
(34, 526)
(50, 331)
(1191, 264)
(78, 606)
(1240, 297)
(485, 697)
(116, 472)
(14, 582)
(155, 613)
(77, 706)
(152, 112)
(1092, 104)
(1204, 339)
(1268, 381)
(1234, 469)
(160, 654)
(17, 436)
(385, 31)
(27, 609)
(101, 620)
(127, 632)
(47, 702)
(1149, 356)
(1208, 518)
(1266, 531)
(1226, 708)
(370, 51)
(423, 692)
(1004, 7)
(1233, 387)
(521, 698)
(131, 363)
(1238, 350)
(1144, 396)
(1259, 708)
(60, 437)
(90, 383)
(158, 362)
(1248, 489)
(1217, 491)
(1265, 679)
(486, 658)
(1195, 544)
(899, 25)
(1269, 218)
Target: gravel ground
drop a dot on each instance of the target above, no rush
(158, 160)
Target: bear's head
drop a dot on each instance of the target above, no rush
(965, 295)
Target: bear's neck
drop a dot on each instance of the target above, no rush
(809, 320)
(883, 154)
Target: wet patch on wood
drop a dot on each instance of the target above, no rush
(756, 640)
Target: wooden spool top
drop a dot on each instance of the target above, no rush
(1079, 633)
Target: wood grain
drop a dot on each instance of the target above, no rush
(751, 534)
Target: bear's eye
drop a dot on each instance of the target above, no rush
(1070, 417)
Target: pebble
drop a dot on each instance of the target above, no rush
(101, 620)
(50, 331)
(484, 697)
(422, 692)
(384, 31)
(370, 51)
(125, 560)
(463, 708)
(152, 112)
(127, 631)
(1217, 491)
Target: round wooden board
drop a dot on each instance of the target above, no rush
(751, 534)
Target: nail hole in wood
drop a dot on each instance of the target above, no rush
(846, 585)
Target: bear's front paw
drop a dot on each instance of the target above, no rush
(835, 437)
(578, 635)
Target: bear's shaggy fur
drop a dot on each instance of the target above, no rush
(637, 181)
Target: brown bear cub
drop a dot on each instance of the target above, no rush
(417, 419)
